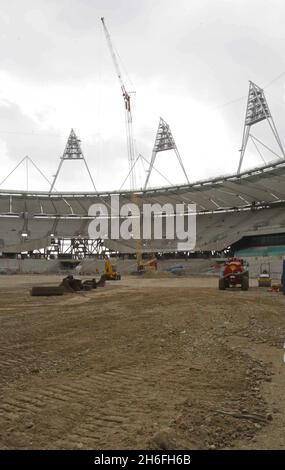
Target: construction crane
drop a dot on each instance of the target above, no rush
(129, 129)
(128, 110)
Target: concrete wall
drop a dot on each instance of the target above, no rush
(90, 266)
(29, 266)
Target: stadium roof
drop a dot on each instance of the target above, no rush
(259, 186)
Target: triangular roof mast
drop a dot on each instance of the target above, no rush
(257, 110)
(72, 152)
(163, 141)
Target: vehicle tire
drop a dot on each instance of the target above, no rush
(222, 284)
(244, 283)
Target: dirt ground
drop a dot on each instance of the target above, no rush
(143, 363)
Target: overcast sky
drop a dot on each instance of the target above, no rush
(186, 60)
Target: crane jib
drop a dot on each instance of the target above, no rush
(127, 104)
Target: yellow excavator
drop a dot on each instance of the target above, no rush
(110, 271)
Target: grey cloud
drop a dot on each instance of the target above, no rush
(206, 50)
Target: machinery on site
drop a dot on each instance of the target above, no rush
(264, 278)
(234, 273)
(69, 284)
(127, 106)
(110, 272)
(148, 265)
(130, 140)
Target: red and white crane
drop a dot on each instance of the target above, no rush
(128, 110)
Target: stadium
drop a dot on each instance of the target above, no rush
(230, 208)
(241, 212)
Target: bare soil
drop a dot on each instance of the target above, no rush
(143, 363)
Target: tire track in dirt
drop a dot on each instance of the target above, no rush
(120, 402)
(117, 370)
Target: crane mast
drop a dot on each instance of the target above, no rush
(128, 111)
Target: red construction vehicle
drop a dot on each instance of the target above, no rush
(234, 273)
